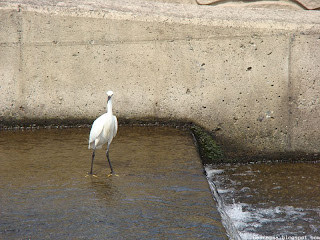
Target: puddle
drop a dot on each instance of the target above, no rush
(160, 193)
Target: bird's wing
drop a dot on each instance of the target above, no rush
(97, 128)
(115, 127)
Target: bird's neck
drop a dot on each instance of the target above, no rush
(109, 107)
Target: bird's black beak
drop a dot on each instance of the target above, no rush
(109, 97)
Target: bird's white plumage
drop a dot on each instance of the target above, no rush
(115, 128)
(109, 93)
(104, 128)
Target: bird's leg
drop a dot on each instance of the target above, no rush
(107, 153)
(93, 154)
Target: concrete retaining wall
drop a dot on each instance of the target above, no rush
(250, 76)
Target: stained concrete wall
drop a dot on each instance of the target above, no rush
(250, 76)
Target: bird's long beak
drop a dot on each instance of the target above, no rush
(109, 97)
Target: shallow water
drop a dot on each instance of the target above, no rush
(269, 199)
(160, 193)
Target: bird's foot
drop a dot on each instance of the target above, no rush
(113, 174)
(91, 175)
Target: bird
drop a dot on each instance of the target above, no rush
(103, 130)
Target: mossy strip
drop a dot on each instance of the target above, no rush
(210, 152)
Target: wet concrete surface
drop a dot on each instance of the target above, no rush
(160, 193)
(270, 200)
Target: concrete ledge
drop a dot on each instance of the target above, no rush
(249, 76)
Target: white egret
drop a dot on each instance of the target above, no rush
(103, 130)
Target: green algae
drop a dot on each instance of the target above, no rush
(210, 152)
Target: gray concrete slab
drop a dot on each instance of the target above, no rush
(233, 71)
